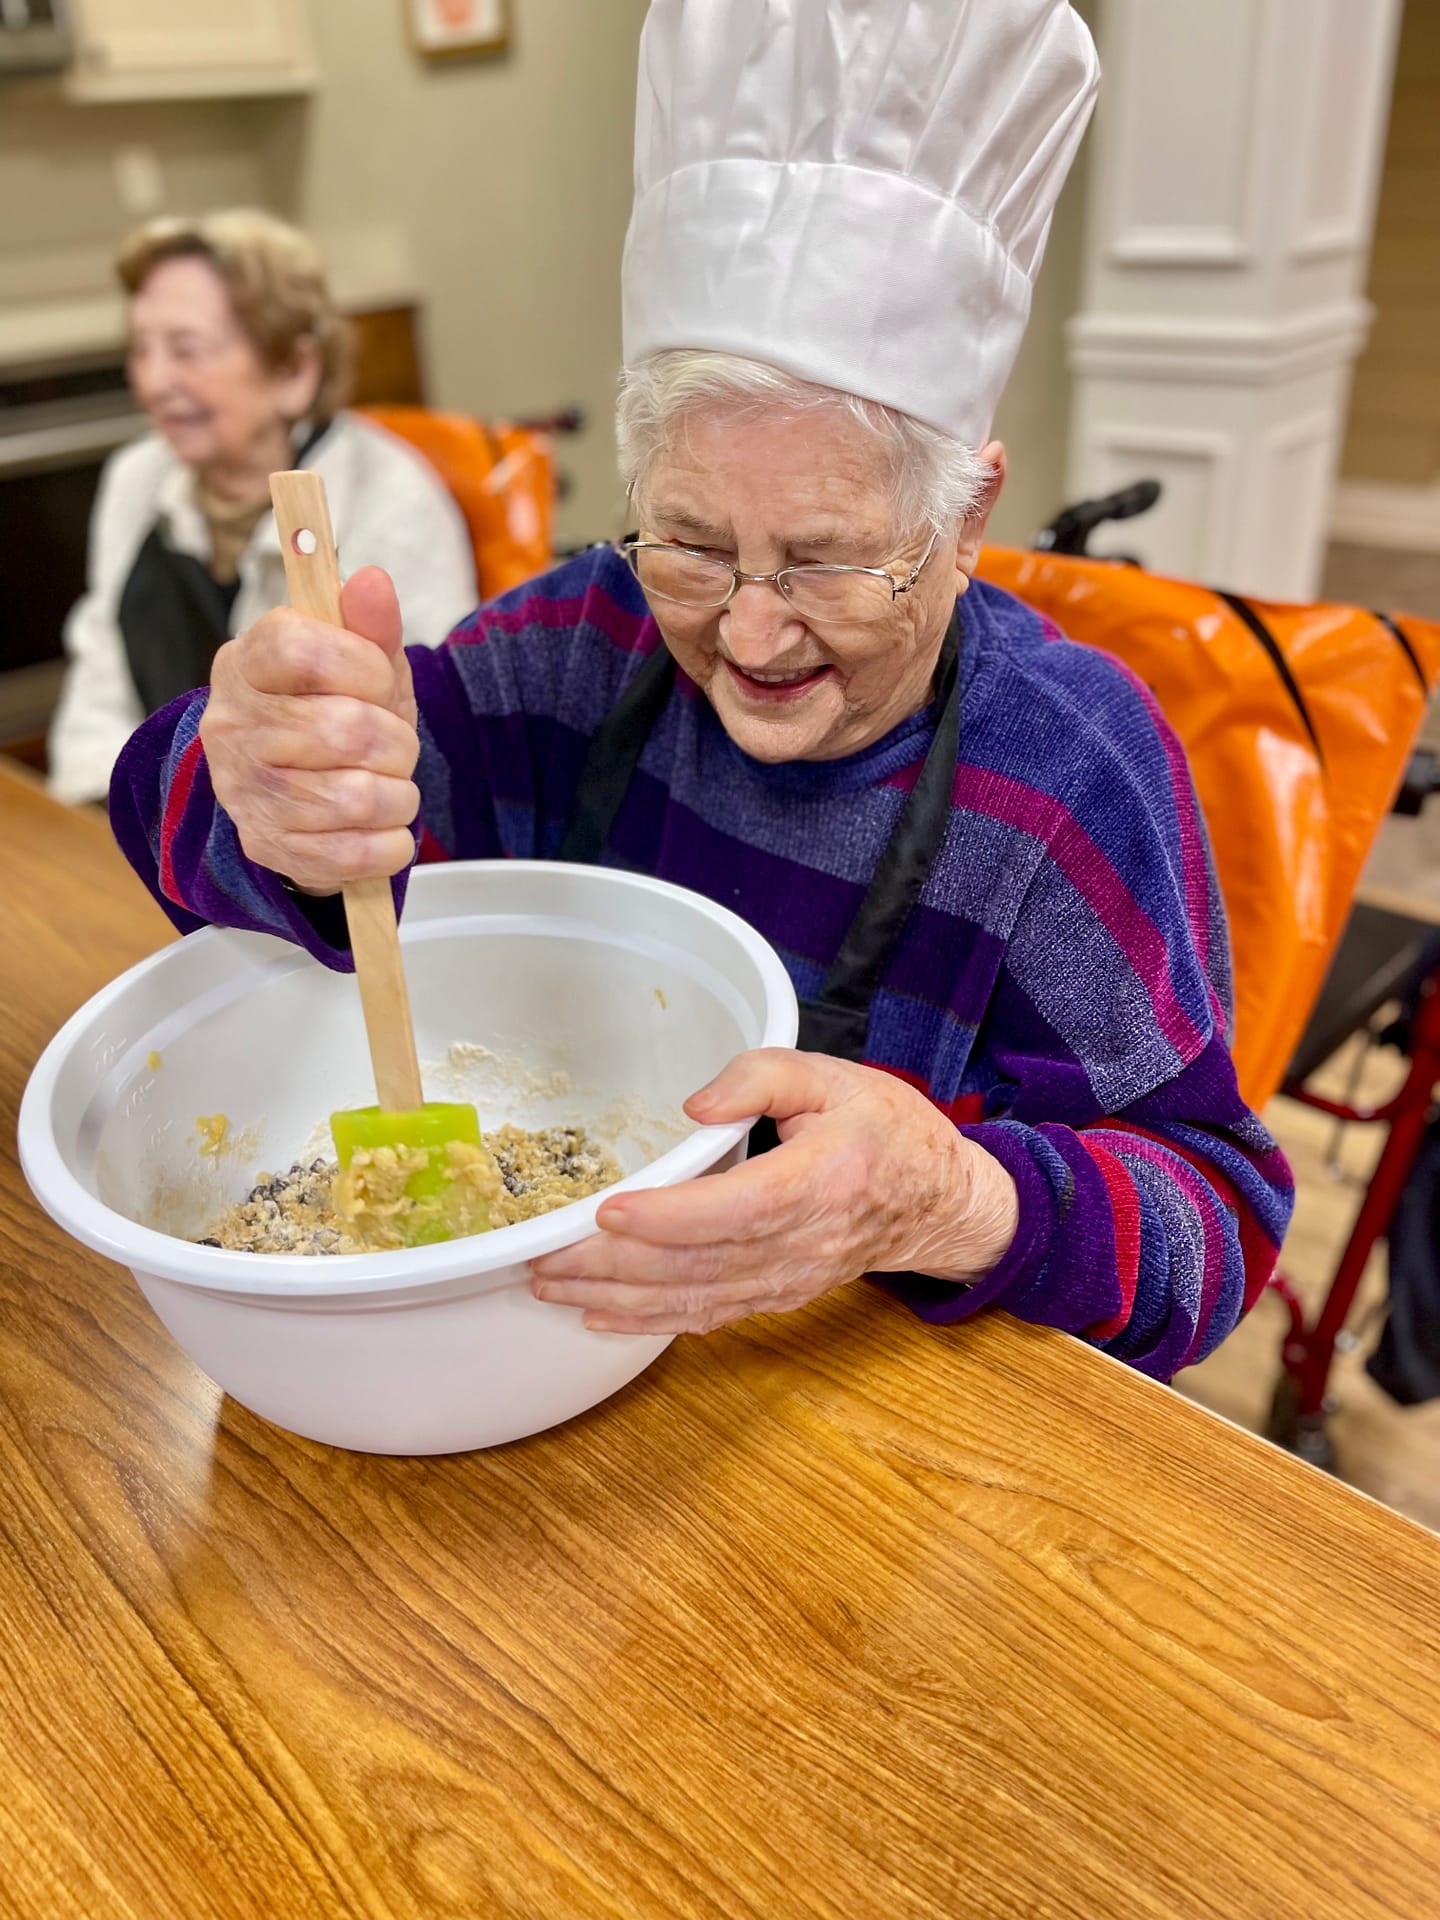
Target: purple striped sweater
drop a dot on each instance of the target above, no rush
(1061, 990)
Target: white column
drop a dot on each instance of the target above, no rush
(1231, 206)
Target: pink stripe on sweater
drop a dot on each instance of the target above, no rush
(1201, 1194)
(1192, 843)
(176, 801)
(629, 632)
(1125, 1216)
(1094, 878)
(1258, 1252)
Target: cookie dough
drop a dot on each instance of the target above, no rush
(516, 1175)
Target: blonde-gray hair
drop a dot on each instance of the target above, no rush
(935, 480)
(275, 280)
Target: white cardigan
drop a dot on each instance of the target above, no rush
(389, 509)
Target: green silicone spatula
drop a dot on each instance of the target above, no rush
(414, 1154)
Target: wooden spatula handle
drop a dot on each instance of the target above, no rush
(375, 942)
(312, 575)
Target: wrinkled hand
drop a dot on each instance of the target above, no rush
(310, 738)
(869, 1177)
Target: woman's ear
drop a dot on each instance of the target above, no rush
(972, 528)
(296, 384)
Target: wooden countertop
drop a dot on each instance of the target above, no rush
(828, 1615)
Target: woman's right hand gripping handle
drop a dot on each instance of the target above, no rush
(310, 737)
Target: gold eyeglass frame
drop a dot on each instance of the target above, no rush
(739, 578)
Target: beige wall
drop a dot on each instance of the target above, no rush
(60, 211)
(1394, 427)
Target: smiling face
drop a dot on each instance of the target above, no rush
(198, 375)
(764, 490)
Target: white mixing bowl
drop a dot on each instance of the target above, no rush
(576, 994)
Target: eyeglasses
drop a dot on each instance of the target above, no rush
(695, 579)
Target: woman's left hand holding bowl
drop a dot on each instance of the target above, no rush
(870, 1177)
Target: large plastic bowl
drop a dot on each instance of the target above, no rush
(603, 997)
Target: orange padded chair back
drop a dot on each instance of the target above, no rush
(503, 480)
(1298, 722)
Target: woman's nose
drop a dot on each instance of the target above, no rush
(758, 624)
(147, 377)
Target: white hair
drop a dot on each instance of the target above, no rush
(935, 481)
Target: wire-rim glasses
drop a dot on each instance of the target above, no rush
(690, 577)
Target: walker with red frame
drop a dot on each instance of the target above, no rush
(1302, 1401)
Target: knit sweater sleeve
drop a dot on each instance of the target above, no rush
(1152, 1201)
(186, 849)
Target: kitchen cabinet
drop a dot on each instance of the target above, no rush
(189, 49)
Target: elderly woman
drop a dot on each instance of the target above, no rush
(974, 845)
(241, 362)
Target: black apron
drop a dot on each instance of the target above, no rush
(837, 1022)
(174, 616)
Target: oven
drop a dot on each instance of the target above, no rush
(57, 426)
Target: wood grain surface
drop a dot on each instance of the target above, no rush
(828, 1615)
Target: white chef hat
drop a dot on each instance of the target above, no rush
(856, 191)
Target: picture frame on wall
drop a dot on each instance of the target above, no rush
(457, 29)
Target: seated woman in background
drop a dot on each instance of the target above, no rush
(241, 361)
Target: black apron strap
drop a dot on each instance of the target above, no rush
(836, 1021)
(615, 749)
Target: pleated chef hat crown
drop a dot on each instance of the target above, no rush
(856, 191)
